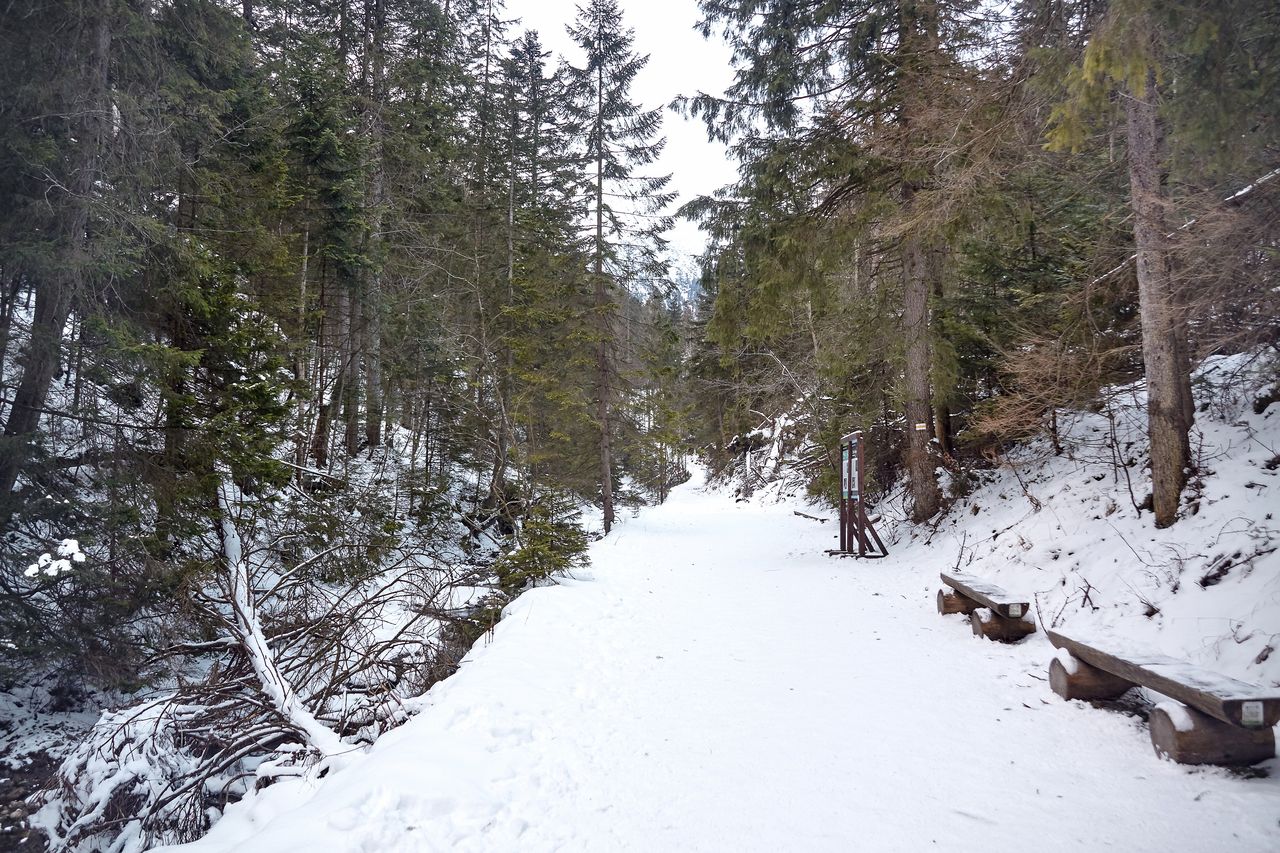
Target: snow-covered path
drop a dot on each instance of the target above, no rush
(715, 683)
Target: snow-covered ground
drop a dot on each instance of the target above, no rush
(715, 683)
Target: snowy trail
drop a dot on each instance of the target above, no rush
(715, 683)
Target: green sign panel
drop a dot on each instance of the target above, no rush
(844, 471)
(850, 487)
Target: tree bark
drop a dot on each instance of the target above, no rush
(302, 436)
(919, 411)
(1164, 335)
(943, 429)
(8, 301)
(919, 44)
(377, 11)
(351, 351)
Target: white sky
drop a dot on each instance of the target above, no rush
(681, 63)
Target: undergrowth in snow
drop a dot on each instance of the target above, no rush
(714, 681)
(1067, 529)
(705, 627)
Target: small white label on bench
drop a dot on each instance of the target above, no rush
(1251, 713)
(1015, 610)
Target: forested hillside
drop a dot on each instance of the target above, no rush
(328, 327)
(954, 218)
(323, 319)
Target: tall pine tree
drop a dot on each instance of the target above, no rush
(625, 206)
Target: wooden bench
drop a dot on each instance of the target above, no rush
(1214, 720)
(993, 613)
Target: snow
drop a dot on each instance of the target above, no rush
(68, 553)
(1177, 714)
(248, 629)
(1172, 669)
(715, 683)
(1069, 664)
(981, 587)
(1063, 529)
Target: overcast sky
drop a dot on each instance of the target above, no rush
(681, 63)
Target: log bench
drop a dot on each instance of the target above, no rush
(1211, 719)
(993, 613)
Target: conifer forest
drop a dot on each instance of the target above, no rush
(329, 327)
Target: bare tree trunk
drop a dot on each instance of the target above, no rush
(351, 350)
(331, 362)
(56, 295)
(302, 436)
(919, 45)
(320, 439)
(942, 427)
(1164, 334)
(919, 412)
(505, 427)
(372, 310)
(603, 316)
(8, 302)
(373, 372)
(246, 627)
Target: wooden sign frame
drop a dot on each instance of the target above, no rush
(858, 536)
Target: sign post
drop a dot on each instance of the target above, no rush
(857, 535)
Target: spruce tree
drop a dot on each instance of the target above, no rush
(57, 135)
(836, 110)
(1170, 65)
(618, 139)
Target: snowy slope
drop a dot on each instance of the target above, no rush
(1064, 529)
(715, 683)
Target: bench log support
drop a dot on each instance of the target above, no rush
(954, 602)
(1072, 678)
(1187, 736)
(993, 626)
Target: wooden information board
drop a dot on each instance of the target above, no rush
(857, 535)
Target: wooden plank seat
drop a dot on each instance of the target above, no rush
(1210, 718)
(993, 613)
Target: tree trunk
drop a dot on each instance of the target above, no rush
(602, 320)
(504, 429)
(371, 310)
(919, 45)
(333, 353)
(8, 302)
(351, 351)
(1164, 335)
(943, 429)
(919, 411)
(373, 371)
(56, 295)
(302, 435)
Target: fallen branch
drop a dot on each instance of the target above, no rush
(806, 515)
